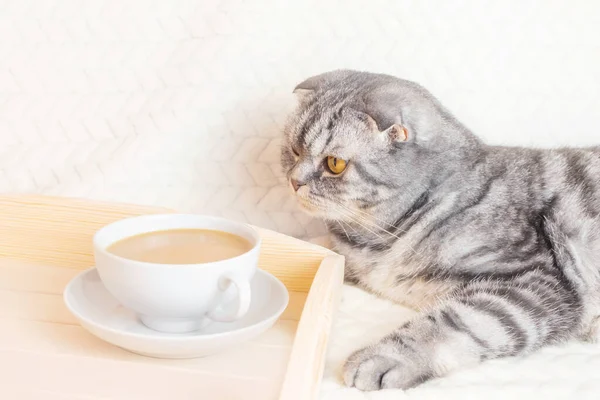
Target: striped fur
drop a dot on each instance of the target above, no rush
(498, 247)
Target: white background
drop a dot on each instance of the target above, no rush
(181, 103)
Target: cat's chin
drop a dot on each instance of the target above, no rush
(319, 212)
(312, 208)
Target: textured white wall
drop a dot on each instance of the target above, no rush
(180, 103)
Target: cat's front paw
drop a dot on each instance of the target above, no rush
(385, 366)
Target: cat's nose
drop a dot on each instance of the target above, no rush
(296, 184)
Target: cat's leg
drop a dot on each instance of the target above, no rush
(592, 332)
(590, 324)
(481, 321)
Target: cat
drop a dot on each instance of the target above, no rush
(498, 247)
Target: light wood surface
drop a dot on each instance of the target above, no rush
(44, 353)
(313, 332)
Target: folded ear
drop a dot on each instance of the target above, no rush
(307, 88)
(309, 85)
(303, 94)
(393, 133)
(383, 106)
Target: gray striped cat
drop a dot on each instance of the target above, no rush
(498, 247)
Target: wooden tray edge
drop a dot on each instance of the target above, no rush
(307, 360)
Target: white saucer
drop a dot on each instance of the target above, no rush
(101, 314)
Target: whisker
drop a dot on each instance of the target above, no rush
(344, 229)
(367, 221)
(359, 223)
(376, 219)
(357, 218)
(349, 226)
(370, 215)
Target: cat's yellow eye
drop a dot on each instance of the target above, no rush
(336, 165)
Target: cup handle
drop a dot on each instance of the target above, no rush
(243, 303)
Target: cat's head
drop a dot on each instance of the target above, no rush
(358, 139)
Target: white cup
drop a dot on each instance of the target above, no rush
(177, 298)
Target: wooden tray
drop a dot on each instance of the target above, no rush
(45, 354)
